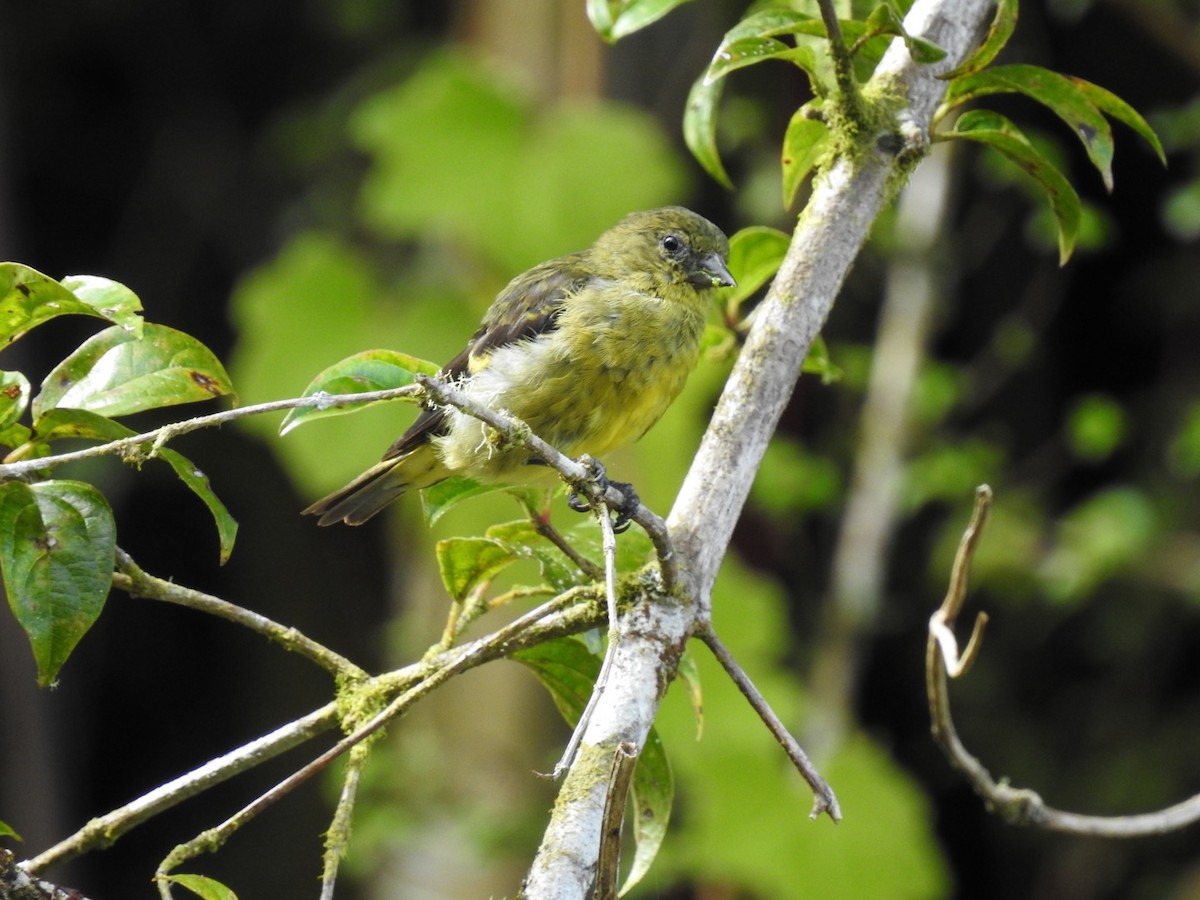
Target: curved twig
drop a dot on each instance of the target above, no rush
(1018, 806)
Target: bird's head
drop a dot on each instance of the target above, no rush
(670, 247)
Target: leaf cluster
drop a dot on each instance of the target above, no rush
(59, 535)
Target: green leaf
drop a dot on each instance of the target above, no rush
(997, 132)
(749, 51)
(28, 298)
(569, 671)
(803, 144)
(466, 562)
(755, 38)
(652, 793)
(115, 373)
(689, 674)
(520, 535)
(371, 370)
(14, 436)
(818, 362)
(76, 423)
(7, 831)
(1060, 94)
(440, 498)
(1112, 105)
(57, 540)
(1001, 29)
(884, 20)
(14, 397)
(203, 886)
(111, 299)
(614, 19)
(700, 128)
(754, 257)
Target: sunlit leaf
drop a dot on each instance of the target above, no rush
(1062, 95)
(755, 38)
(1001, 29)
(14, 397)
(202, 886)
(58, 424)
(7, 831)
(754, 256)
(115, 373)
(997, 132)
(700, 128)
(803, 144)
(28, 298)
(371, 370)
(57, 540)
(614, 19)
(109, 298)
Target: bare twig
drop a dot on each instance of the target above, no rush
(471, 656)
(130, 578)
(824, 800)
(1018, 806)
(625, 759)
(610, 597)
(571, 615)
(157, 437)
(337, 839)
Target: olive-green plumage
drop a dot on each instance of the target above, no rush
(588, 349)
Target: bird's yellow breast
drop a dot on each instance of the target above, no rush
(599, 380)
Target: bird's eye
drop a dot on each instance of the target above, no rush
(672, 244)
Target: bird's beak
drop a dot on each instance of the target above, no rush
(712, 272)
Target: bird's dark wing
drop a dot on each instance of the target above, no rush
(527, 307)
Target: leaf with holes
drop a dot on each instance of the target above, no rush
(14, 397)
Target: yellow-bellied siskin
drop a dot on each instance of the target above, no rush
(588, 349)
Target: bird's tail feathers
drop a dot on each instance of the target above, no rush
(378, 486)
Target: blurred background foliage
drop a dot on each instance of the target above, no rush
(293, 183)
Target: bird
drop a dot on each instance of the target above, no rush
(588, 349)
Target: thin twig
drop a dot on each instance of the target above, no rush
(157, 437)
(337, 839)
(132, 579)
(576, 474)
(849, 97)
(1018, 806)
(610, 597)
(570, 613)
(625, 759)
(213, 838)
(824, 799)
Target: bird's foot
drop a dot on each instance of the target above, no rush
(629, 498)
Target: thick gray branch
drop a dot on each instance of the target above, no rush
(847, 197)
(845, 201)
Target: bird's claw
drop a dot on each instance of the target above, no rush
(629, 498)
